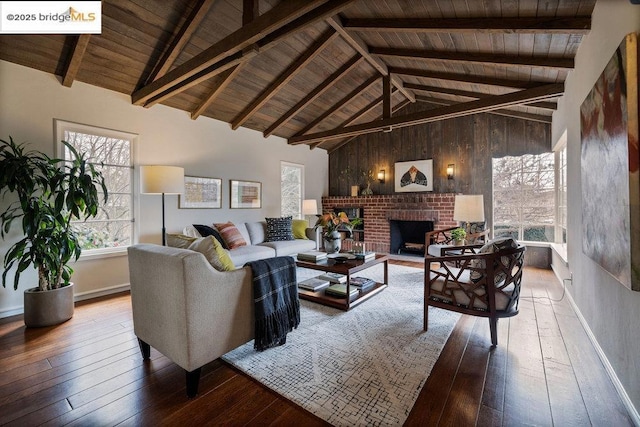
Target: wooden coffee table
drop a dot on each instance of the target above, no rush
(347, 268)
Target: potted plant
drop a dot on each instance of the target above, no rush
(50, 194)
(332, 224)
(458, 236)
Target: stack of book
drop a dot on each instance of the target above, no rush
(313, 256)
(365, 256)
(362, 283)
(334, 277)
(313, 284)
(340, 290)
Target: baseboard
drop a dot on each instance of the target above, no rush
(14, 311)
(633, 412)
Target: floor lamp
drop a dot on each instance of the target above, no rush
(162, 180)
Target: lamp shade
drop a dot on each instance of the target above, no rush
(309, 207)
(161, 179)
(469, 208)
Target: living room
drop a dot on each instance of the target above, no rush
(31, 101)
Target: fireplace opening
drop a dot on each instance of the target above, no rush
(407, 237)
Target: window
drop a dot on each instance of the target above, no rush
(561, 196)
(291, 185)
(111, 152)
(524, 197)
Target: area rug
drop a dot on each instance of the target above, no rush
(361, 367)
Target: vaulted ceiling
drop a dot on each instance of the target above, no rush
(320, 72)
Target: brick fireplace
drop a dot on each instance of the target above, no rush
(376, 212)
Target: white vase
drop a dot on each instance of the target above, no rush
(332, 242)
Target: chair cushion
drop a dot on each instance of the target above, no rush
(231, 235)
(299, 227)
(436, 250)
(279, 229)
(461, 291)
(493, 246)
(205, 230)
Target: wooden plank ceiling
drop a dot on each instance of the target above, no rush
(320, 72)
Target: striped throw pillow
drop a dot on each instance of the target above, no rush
(230, 234)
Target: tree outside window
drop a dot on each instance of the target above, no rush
(291, 189)
(524, 197)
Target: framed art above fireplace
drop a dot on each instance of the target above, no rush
(416, 175)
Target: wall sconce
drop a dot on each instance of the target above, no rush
(450, 170)
(381, 176)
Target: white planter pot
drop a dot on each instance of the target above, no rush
(49, 307)
(333, 243)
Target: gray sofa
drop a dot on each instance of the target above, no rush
(254, 234)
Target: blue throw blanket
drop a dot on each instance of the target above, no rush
(275, 296)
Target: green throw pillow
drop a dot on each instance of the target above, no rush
(179, 240)
(299, 227)
(213, 252)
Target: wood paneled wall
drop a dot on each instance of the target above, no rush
(468, 142)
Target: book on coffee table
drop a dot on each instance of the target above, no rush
(340, 290)
(334, 277)
(362, 283)
(313, 284)
(312, 256)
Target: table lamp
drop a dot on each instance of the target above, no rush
(468, 208)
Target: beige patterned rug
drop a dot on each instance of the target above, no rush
(362, 367)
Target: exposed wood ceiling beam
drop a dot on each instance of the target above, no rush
(319, 90)
(266, 30)
(182, 37)
(479, 58)
(345, 100)
(516, 84)
(284, 78)
(477, 95)
(361, 47)
(225, 80)
(508, 113)
(386, 97)
(250, 11)
(398, 107)
(550, 25)
(448, 112)
(75, 59)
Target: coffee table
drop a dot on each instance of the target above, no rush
(347, 268)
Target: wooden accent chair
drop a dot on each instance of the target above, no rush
(477, 280)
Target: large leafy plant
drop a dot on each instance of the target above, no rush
(50, 194)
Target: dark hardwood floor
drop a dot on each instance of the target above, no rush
(89, 372)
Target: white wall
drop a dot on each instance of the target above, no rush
(611, 310)
(30, 100)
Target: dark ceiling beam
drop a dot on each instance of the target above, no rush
(75, 58)
(344, 101)
(284, 78)
(398, 107)
(386, 97)
(180, 40)
(472, 57)
(319, 90)
(508, 113)
(458, 110)
(477, 95)
(250, 11)
(464, 78)
(262, 33)
(547, 25)
(224, 81)
(361, 47)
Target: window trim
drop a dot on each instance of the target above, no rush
(300, 166)
(60, 126)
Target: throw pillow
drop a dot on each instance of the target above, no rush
(299, 227)
(493, 246)
(231, 235)
(179, 240)
(205, 231)
(213, 252)
(279, 229)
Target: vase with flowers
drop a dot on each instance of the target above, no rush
(332, 224)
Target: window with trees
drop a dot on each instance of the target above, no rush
(111, 152)
(291, 189)
(524, 197)
(561, 202)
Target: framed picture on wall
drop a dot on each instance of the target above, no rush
(201, 193)
(416, 175)
(246, 194)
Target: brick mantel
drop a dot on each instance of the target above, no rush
(378, 210)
